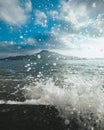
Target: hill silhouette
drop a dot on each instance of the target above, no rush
(44, 54)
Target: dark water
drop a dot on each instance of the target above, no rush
(73, 86)
(15, 74)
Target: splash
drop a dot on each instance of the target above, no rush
(81, 100)
(74, 87)
(79, 96)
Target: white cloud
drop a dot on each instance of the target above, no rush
(85, 50)
(40, 18)
(7, 43)
(79, 15)
(98, 24)
(54, 14)
(13, 13)
(10, 48)
(81, 35)
(79, 45)
(31, 41)
(28, 6)
(76, 16)
(73, 14)
(64, 38)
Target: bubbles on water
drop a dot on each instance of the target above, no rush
(38, 76)
(54, 64)
(29, 69)
(27, 65)
(21, 37)
(38, 56)
(67, 122)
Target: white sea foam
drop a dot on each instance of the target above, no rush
(81, 96)
(83, 99)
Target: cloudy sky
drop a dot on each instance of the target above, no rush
(70, 27)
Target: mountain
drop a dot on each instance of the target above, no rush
(44, 54)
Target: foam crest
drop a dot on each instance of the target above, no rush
(79, 96)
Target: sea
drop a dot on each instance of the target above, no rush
(74, 87)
